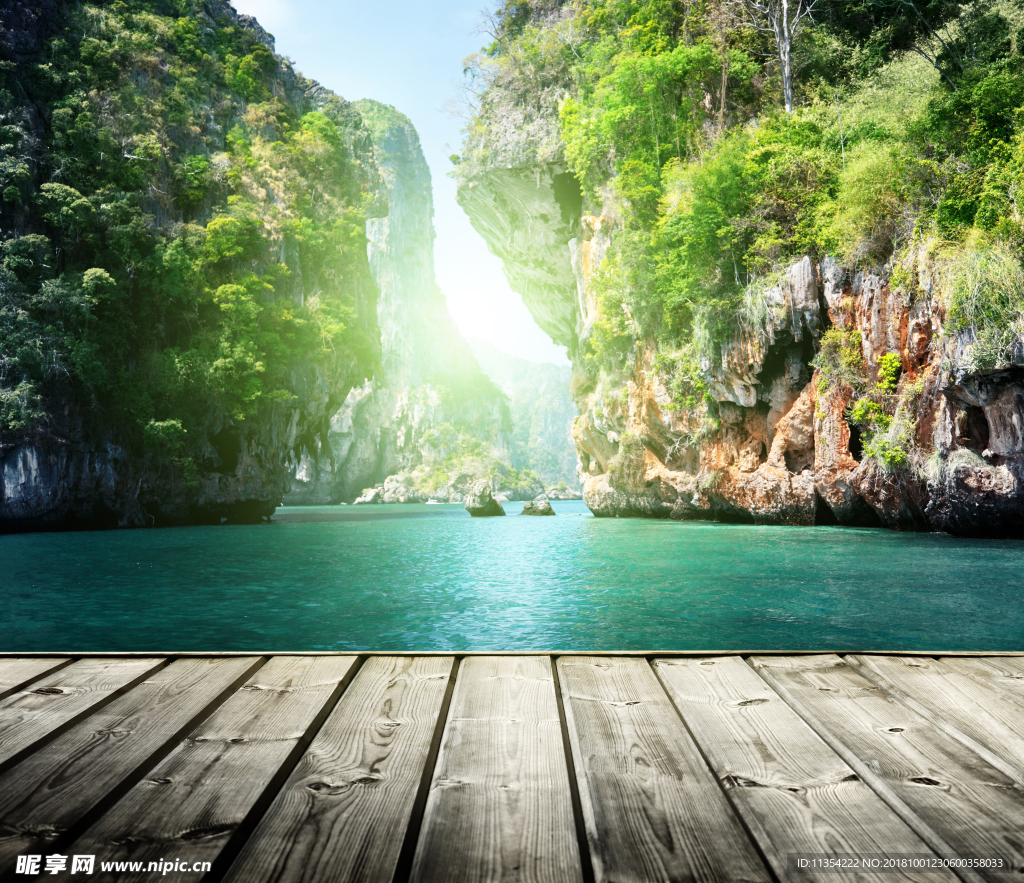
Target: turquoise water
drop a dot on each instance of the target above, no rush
(432, 578)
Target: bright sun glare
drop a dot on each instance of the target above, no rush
(401, 53)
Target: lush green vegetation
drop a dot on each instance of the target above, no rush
(905, 127)
(879, 409)
(905, 137)
(192, 232)
(986, 300)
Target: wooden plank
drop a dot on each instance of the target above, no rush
(794, 792)
(17, 672)
(48, 703)
(499, 806)
(956, 801)
(1004, 674)
(343, 812)
(202, 791)
(53, 789)
(971, 712)
(652, 808)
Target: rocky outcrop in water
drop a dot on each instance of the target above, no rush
(480, 502)
(777, 444)
(538, 507)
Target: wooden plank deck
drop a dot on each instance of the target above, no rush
(617, 768)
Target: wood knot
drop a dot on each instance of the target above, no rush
(707, 662)
(732, 781)
(894, 729)
(130, 840)
(924, 780)
(238, 740)
(48, 691)
(42, 832)
(745, 702)
(163, 780)
(207, 833)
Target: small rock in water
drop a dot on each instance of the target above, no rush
(480, 502)
(538, 507)
(373, 495)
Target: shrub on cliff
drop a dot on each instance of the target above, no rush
(984, 294)
(626, 469)
(840, 360)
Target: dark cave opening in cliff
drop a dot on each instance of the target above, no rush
(823, 514)
(228, 445)
(569, 196)
(856, 444)
(974, 431)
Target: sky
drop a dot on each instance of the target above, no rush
(409, 53)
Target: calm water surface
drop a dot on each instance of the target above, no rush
(432, 578)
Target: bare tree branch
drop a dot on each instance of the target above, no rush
(783, 20)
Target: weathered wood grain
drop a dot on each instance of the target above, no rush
(652, 808)
(15, 673)
(191, 803)
(343, 813)
(955, 800)
(974, 713)
(50, 702)
(55, 787)
(499, 806)
(794, 792)
(1003, 674)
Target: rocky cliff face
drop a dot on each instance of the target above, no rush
(776, 444)
(71, 467)
(542, 412)
(430, 390)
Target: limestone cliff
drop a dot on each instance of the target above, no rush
(180, 371)
(542, 412)
(430, 395)
(775, 444)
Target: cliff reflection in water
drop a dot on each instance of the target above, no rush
(430, 578)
